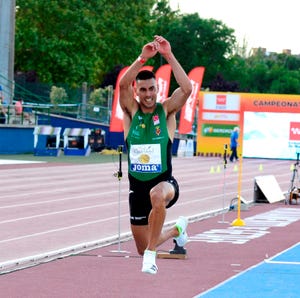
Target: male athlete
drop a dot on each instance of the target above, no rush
(149, 129)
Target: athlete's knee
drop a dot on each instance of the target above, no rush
(157, 198)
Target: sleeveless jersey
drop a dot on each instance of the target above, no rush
(148, 144)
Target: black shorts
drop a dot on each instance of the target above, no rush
(139, 198)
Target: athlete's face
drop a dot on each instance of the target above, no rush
(146, 90)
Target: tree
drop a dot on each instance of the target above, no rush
(71, 41)
(219, 84)
(58, 95)
(68, 42)
(196, 41)
(54, 39)
(287, 83)
(271, 73)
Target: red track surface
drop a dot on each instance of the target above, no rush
(56, 210)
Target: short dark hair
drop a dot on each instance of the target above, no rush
(145, 75)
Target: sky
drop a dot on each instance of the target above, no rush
(270, 24)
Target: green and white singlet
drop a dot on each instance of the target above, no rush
(148, 144)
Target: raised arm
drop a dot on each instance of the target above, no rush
(127, 100)
(181, 94)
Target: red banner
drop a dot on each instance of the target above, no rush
(187, 114)
(163, 76)
(116, 121)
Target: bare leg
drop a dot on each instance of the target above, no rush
(141, 237)
(156, 220)
(168, 234)
(150, 236)
(160, 196)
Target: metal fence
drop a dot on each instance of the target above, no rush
(33, 114)
(37, 104)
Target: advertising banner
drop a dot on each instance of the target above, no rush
(269, 124)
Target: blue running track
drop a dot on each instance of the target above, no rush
(278, 277)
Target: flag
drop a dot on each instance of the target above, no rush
(116, 121)
(188, 110)
(163, 76)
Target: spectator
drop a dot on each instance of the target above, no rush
(19, 107)
(234, 144)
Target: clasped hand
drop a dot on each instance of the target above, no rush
(159, 44)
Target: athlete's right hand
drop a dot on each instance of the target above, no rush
(149, 50)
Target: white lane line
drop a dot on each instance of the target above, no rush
(57, 212)
(73, 197)
(60, 229)
(51, 181)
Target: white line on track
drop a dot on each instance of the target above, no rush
(56, 212)
(60, 229)
(73, 197)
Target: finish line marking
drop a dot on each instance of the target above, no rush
(256, 226)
